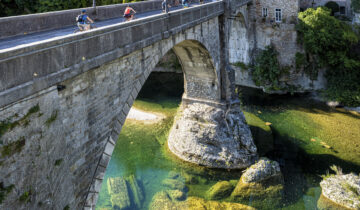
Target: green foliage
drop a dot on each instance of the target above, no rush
(241, 65)
(333, 6)
(328, 43)
(355, 4)
(13, 147)
(25, 197)
(22, 7)
(4, 191)
(268, 71)
(67, 207)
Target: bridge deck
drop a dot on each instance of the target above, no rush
(30, 39)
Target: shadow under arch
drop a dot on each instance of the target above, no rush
(201, 78)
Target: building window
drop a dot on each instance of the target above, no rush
(342, 10)
(278, 15)
(264, 12)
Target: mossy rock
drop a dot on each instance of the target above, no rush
(220, 190)
(267, 193)
(262, 134)
(326, 204)
(190, 179)
(162, 200)
(174, 184)
(136, 191)
(176, 195)
(118, 192)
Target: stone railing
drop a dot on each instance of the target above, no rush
(25, 71)
(18, 25)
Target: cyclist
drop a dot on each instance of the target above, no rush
(127, 13)
(82, 21)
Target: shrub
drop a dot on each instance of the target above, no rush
(267, 70)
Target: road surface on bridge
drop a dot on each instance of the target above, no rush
(20, 41)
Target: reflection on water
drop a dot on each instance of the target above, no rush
(305, 137)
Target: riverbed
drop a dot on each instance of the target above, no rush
(303, 135)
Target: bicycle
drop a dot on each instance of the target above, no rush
(92, 26)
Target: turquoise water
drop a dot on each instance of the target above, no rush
(141, 149)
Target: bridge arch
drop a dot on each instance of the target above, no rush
(201, 71)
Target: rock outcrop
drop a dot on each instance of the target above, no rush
(162, 200)
(125, 193)
(212, 136)
(341, 191)
(262, 183)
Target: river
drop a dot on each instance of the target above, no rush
(303, 135)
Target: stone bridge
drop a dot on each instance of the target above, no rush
(63, 100)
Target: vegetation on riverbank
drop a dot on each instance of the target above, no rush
(330, 44)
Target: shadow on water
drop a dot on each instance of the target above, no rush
(302, 170)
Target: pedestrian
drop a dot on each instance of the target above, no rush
(82, 21)
(165, 7)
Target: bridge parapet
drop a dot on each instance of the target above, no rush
(17, 25)
(27, 70)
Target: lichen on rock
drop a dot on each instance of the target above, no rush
(340, 190)
(215, 137)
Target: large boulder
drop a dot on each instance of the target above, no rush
(220, 190)
(216, 137)
(262, 183)
(341, 191)
(162, 200)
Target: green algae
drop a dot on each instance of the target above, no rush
(51, 119)
(141, 151)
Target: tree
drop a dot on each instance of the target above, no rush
(329, 42)
(355, 4)
(333, 6)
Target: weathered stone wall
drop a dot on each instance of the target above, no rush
(56, 154)
(289, 9)
(282, 35)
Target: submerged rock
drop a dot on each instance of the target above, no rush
(262, 170)
(118, 191)
(136, 191)
(220, 190)
(262, 183)
(340, 191)
(162, 200)
(213, 136)
(174, 184)
(125, 192)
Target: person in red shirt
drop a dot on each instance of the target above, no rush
(127, 13)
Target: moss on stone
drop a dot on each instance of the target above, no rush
(51, 119)
(265, 193)
(4, 191)
(7, 125)
(58, 162)
(13, 147)
(25, 197)
(220, 190)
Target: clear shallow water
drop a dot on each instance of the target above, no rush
(141, 149)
